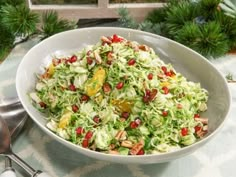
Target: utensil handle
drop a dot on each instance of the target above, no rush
(32, 172)
(43, 174)
(8, 173)
(22, 163)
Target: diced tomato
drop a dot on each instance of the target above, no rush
(75, 108)
(164, 69)
(84, 98)
(89, 135)
(141, 152)
(116, 38)
(42, 104)
(89, 60)
(125, 115)
(197, 128)
(165, 90)
(72, 87)
(120, 85)
(165, 113)
(150, 76)
(184, 131)
(73, 59)
(133, 125)
(96, 119)
(85, 143)
(79, 130)
(131, 62)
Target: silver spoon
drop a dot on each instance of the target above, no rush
(5, 149)
(15, 116)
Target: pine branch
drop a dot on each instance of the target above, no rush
(208, 8)
(157, 15)
(6, 41)
(52, 24)
(19, 19)
(228, 26)
(207, 39)
(125, 19)
(178, 14)
(12, 2)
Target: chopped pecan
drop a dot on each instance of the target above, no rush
(112, 146)
(121, 135)
(137, 147)
(106, 40)
(115, 152)
(98, 58)
(127, 143)
(202, 120)
(56, 61)
(144, 47)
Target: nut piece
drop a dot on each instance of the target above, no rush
(121, 135)
(137, 147)
(144, 47)
(98, 58)
(106, 40)
(127, 143)
(115, 152)
(202, 120)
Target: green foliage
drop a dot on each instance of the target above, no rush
(228, 26)
(126, 20)
(207, 39)
(178, 14)
(157, 15)
(208, 8)
(19, 19)
(52, 24)
(199, 24)
(7, 39)
(11, 2)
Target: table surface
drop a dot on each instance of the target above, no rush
(216, 159)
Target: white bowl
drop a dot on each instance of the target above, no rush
(191, 64)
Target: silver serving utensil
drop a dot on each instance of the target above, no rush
(14, 114)
(5, 149)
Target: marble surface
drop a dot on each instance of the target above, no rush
(216, 159)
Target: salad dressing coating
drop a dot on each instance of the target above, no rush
(119, 97)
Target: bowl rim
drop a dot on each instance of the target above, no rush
(184, 150)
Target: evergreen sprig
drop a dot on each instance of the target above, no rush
(228, 26)
(208, 8)
(11, 2)
(206, 39)
(126, 20)
(178, 14)
(6, 41)
(19, 19)
(199, 24)
(52, 24)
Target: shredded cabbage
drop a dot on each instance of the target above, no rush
(118, 97)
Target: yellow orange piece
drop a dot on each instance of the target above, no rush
(65, 119)
(51, 69)
(123, 105)
(93, 85)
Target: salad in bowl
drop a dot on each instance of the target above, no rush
(118, 97)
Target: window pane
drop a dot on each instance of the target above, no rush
(56, 2)
(136, 1)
